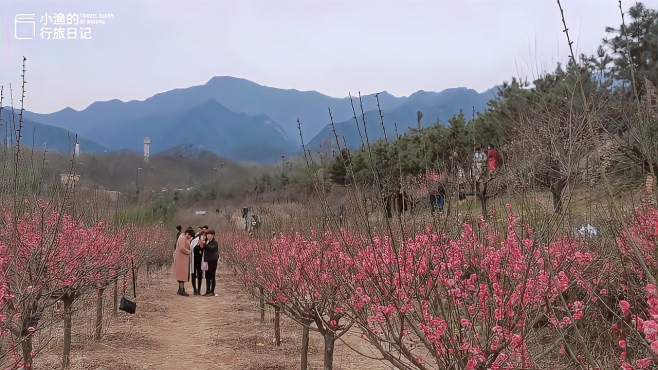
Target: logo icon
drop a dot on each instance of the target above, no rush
(24, 26)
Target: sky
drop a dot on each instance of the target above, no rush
(133, 49)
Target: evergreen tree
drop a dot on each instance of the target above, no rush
(639, 40)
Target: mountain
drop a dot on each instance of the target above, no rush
(436, 107)
(42, 136)
(208, 125)
(284, 106)
(182, 116)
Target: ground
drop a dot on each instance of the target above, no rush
(201, 333)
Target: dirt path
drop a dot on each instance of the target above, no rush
(184, 334)
(201, 333)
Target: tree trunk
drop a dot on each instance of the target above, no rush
(261, 303)
(556, 191)
(68, 310)
(304, 360)
(30, 322)
(277, 325)
(115, 297)
(99, 314)
(329, 341)
(26, 347)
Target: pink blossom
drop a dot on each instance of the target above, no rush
(625, 307)
(650, 329)
(644, 363)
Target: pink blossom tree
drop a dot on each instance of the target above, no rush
(302, 279)
(86, 258)
(53, 258)
(468, 302)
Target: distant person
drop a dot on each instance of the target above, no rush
(211, 257)
(461, 183)
(494, 160)
(245, 217)
(193, 244)
(181, 266)
(178, 232)
(479, 159)
(255, 223)
(197, 245)
(440, 197)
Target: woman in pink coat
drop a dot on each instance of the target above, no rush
(181, 267)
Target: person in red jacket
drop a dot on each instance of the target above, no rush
(494, 160)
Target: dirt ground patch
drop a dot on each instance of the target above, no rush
(204, 333)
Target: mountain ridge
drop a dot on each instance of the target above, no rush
(120, 124)
(437, 107)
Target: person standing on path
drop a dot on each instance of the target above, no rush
(181, 266)
(198, 244)
(211, 257)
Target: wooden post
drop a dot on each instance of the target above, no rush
(261, 304)
(115, 298)
(99, 314)
(277, 325)
(68, 310)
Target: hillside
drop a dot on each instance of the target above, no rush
(437, 107)
(223, 104)
(209, 125)
(178, 168)
(239, 95)
(42, 136)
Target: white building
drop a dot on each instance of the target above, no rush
(147, 148)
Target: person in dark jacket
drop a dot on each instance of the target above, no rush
(198, 245)
(211, 257)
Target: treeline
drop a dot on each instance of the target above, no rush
(548, 129)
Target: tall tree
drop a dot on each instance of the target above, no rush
(637, 40)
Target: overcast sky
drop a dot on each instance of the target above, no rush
(332, 46)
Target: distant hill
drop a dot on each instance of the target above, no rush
(283, 106)
(209, 125)
(223, 104)
(436, 107)
(42, 136)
